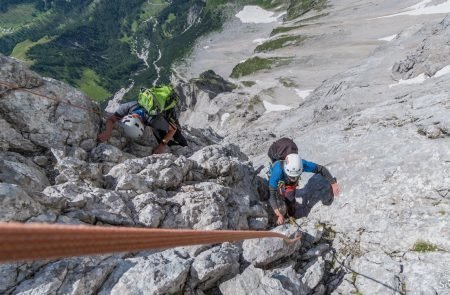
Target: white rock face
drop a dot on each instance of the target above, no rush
(388, 148)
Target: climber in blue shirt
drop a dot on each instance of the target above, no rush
(283, 182)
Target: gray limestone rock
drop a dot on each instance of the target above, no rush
(384, 139)
(316, 251)
(258, 223)
(142, 175)
(271, 249)
(253, 280)
(16, 204)
(426, 273)
(313, 275)
(214, 265)
(88, 275)
(11, 139)
(245, 283)
(49, 123)
(48, 280)
(205, 206)
(377, 273)
(150, 208)
(8, 277)
(16, 169)
(89, 204)
(430, 56)
(74, 170)
(160, 273)
(41, 160)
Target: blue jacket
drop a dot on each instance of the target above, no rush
(278, 175)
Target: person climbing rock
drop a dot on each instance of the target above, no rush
(284, 175)
(155, 107)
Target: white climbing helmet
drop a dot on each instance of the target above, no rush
(293, 165)
(132, 126)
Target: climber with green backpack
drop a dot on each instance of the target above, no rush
(155, 107)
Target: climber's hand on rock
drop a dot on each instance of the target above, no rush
(104, 136)
(336, 190)
(280, 219)
(159, 149)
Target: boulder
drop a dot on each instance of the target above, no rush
(48, 280)
(159, 273)
(151, 208)
(426, 273)
(88, 275)
(271, 249)
(89, 204)
(75, 170)
(16, 169)
(11, 139)
(203, 206)
(16, 204)
(142, 175)
(214, 265)
(107, 153)
(256, 281)
(49, 123)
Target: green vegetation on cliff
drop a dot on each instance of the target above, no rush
(256, 64)
(279, 30)
(424, 246)
(298, 8)
(280, 43)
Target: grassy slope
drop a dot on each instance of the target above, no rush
(280, 43)
(295, 9)
(89, 84)
(256, 64)
(21, 49)
(17, 16)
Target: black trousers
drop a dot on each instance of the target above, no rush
(178, 137)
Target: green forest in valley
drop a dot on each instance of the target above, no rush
(94, 44)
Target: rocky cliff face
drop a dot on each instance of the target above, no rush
(381, 127)
(52, 170)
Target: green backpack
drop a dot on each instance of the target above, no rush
(157, 99)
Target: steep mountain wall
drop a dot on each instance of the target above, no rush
(379, 122)
(52, 170)
(379, 119)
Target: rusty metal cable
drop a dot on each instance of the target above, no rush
(18, 88)
(25, 242)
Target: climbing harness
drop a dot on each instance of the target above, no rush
(20, 242)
